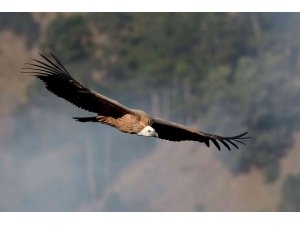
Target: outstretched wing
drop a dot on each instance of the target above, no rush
(176, 132)
(59, 81)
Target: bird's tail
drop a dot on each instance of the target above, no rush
(86, 119)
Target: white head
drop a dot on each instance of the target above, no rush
(148, 132)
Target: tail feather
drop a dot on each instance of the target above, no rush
(85, 119)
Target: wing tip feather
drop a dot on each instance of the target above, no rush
(229, 141)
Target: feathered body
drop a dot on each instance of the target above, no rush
(129, 123)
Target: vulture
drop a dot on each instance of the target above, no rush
(110, 112)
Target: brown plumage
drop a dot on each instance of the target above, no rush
(59, 81)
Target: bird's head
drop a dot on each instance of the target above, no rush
(148, 131)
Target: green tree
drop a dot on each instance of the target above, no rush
(21, 24)
(69, 37)
(259, 99)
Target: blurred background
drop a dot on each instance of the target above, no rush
(224, 73)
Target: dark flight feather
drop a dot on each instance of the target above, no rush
(59, 81)
(176, 132)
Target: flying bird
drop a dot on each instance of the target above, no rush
(110, 112)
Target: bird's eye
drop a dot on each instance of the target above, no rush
(149, 131)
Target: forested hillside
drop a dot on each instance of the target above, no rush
(224, 73)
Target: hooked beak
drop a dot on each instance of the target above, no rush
(155, 134)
